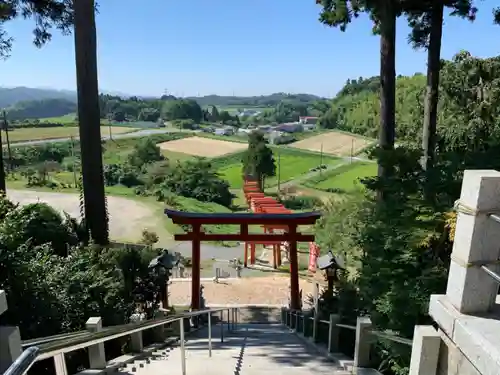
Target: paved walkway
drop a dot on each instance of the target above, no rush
(252, 349)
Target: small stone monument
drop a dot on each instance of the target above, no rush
(202, 298)
(181, 268)
(236, 264)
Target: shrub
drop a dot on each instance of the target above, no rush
(197, 179)
(301, 202)
(39, 224)
(145, 152)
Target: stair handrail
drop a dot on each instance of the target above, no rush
(68, 344)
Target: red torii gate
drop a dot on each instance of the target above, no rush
(271, 229)
(196, 235)
(258, 205)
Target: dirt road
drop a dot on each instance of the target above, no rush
(127, 217)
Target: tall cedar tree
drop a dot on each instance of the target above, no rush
(46, 14)
(96, 217)
(426, 21)
(258, 161)
(339, 13)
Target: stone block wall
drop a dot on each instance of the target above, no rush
(452, 361)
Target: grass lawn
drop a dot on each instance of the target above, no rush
(32, 134)
(70, 118)
(176, 156)
(345, 178)
(116, 151)
(292, 164)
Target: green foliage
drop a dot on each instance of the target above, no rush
(258, 160)
(46, 276)
(254, 101)
(360, 112)
(129, 109)
(181, 109)
(145, 152)
(183, 124)
(149, 114)
(38, 223)
(301, 202)
(156, 172)
(459, 120)
(197, 179)
(115, 174)
(398, 250)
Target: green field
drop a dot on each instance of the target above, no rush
(291, 164)
(66, 119)
(345, 178)
(32, 134)
(117, 151)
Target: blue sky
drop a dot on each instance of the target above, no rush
(226, 47)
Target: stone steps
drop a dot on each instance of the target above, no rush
(250, 350)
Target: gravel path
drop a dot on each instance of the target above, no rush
(127, 219)
(256, 290)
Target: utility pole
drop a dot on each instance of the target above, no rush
(352, 148)
(321, 160)
(74, 161)
(2, 169)
(6, 128)
(279, 170)
(110, 134)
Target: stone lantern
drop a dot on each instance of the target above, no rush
(162, 266)
(330, 264)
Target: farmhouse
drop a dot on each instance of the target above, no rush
(308, 119)
(290, 127)
(224, 131)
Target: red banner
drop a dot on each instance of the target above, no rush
(313, 256)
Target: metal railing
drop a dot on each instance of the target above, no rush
(384, 335)
(495, 276)
(56, 346)
(297, 321)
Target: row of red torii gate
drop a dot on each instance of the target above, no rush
(259, 203)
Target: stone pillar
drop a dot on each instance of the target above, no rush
(363, 343)
(10, 339)
(316, 312)
(425, 351)
(136, 344)
(97, 357)
(3, 302)
(10, 346)
(333, 333)
(477, 236)
(60, 364)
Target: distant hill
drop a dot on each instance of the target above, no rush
(35, 109)
(10, 96)
(14, 95)
(254, 101)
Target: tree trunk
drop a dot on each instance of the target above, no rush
(3, 188)
(388, 83)
(96, 217)
(432, 89)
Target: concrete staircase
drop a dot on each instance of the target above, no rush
(252, 349)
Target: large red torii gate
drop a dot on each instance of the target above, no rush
(196, 235)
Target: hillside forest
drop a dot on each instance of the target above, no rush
(274, 108)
